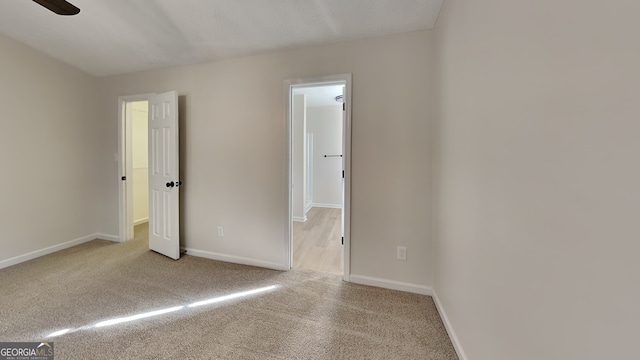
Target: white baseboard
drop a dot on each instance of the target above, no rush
(391, 284)
(330, 206)
(101, 236)
(141, 221)
(447, 324)
(46, 251)
(300, 219)
(234, 259)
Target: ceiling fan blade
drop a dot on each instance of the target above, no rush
(60, 7)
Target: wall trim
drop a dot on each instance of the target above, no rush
(114, 238)
(449, 327)
(330, 206)
(46, 251)
(234, 259)
(391, 284)
(300, 219)
(141, 221)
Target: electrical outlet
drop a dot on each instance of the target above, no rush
(402, 253)
(220, 231)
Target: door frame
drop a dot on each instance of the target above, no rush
(346, 151)
(125, 222)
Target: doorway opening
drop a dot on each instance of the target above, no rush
(319, 173)
(138, 136)
(134, 166)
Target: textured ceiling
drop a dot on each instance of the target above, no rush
(122, 36)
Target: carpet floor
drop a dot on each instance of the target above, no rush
(122, 301)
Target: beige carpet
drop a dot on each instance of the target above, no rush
(309, 315)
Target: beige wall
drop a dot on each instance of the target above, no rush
(233, 156)
(48, 152)
(538, 178)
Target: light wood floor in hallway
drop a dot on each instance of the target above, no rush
(317, 242)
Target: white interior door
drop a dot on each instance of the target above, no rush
(164, 224)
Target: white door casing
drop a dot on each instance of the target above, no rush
(164, 183)
(344, 157)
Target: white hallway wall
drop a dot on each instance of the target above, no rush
(325, 122)
(233, 156)
(48, 153)
(538, 192)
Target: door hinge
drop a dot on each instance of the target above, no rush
(343, 240)
(344, 107)
(343, 174)
(124, 178)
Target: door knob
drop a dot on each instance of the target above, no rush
(170, 184)
(178, 183)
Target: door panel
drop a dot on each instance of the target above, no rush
(163, 175)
